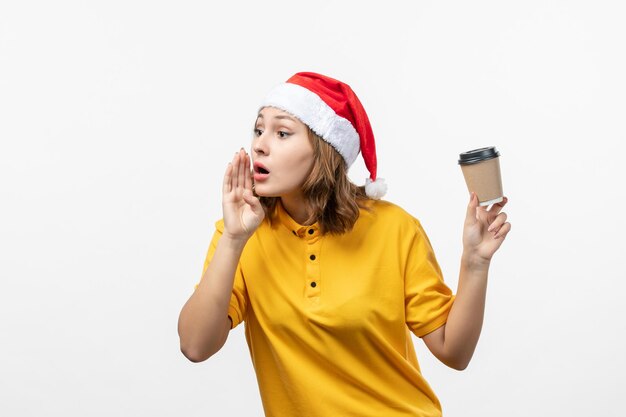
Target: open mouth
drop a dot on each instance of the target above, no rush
(260, 169)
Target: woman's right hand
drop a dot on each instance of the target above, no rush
(243, 212)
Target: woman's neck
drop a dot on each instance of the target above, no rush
(297, 208)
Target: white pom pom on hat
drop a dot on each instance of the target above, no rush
(333, 111)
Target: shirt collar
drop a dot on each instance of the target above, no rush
(294, 227)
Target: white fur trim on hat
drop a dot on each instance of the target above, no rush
(375, 189)
(319, 116)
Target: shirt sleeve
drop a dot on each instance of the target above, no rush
(239, 296)
(428, 299)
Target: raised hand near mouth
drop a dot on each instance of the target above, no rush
(243, 212)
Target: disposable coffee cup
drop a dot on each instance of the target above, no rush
(481, 169)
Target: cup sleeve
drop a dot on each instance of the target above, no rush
(428, 299)
(239, 296)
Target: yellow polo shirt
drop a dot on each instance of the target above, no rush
(328, 318)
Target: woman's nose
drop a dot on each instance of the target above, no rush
(259, 145)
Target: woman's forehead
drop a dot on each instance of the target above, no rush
(275, 113)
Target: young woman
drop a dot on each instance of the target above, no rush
(329, 280)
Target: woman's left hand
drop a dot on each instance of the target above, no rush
(484, 230)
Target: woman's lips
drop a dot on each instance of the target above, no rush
(260, 177)
(260, 172)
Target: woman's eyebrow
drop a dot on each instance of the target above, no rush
(285, 117)
(281, 116)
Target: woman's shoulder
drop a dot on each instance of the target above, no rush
(219, 225)
(388, 214)
(263, 227)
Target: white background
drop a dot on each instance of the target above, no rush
(118, 118)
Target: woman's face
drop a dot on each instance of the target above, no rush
(282, 154)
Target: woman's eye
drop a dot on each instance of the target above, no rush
(283, 134)
(258, 132)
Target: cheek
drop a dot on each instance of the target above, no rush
(302, 164)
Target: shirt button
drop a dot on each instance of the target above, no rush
(312, 257)
(313, 284)
(311, 231)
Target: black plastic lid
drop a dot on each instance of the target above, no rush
(478, 155)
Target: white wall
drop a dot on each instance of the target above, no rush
(117, 120)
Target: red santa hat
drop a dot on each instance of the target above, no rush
(333, 111)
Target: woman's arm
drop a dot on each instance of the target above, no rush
(203, 324)
(483, 234)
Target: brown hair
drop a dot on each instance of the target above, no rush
(333, 198)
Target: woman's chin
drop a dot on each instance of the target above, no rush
(263, 192)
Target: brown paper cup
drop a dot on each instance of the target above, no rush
(481, 169)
